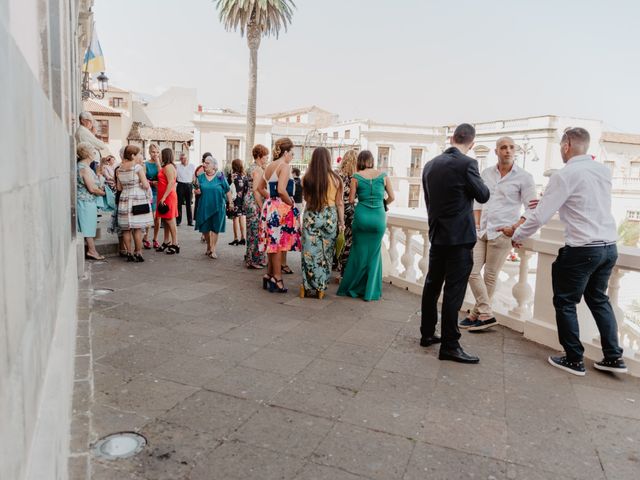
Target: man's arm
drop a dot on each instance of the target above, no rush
(475, 185)
(85, 135)
(555, 195)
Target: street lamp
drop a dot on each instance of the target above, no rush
(527, 148)
(103, 86)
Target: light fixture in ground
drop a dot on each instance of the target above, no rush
(97, 292)
(119, 445)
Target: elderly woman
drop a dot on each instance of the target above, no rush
(214, 200)
(88, 190)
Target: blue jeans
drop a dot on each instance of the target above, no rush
(579, 271)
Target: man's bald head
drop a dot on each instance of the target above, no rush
(575, 141)
(505, 150)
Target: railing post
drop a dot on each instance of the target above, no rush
(393, 250)
(423, 264)
(522, 291)
(409, 273)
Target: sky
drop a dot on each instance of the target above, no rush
(424, 62)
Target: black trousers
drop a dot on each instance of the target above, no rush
(451, 266)
(184, 191)
(584, 272)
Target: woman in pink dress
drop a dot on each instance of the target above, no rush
(167, 208)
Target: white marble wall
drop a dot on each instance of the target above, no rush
(38, 271)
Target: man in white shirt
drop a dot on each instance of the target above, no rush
(184, 187)
(85, 133)
(512, 188)
(581, 194)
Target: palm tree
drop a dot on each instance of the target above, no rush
(257, 18)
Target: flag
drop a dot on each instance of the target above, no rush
(93, 59)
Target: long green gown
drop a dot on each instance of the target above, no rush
(363, 274)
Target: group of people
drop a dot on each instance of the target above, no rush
(474, 221)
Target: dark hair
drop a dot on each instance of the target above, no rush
(295, 171)
(205, 155)
(130, 151)
(237, 166)
(365, 160)
(259, 151)
(166, 157)
(317, 178)
(282, 145)
(576, 135)
(464, 134)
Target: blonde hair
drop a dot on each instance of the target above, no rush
(85, 150)
(348, 164)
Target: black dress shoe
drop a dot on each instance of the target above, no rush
(428, 341)
(457, 355)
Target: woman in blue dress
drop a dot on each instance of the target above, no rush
(86, 206)
(215, 198)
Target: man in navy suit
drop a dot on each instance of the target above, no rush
(451, 182)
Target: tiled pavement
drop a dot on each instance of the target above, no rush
(227, 381)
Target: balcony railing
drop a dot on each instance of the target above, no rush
(521, 302)
(626, 183)
(414, 172)
(387, 169)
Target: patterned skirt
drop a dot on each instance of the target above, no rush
(340, 263)
(319, 230)
(278, 227)
(253, 256)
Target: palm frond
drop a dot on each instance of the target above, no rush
(271, 16)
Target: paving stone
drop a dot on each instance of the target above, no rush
(314, 398)
(617, 441)
(249, 383)
(113, 472)
(225, 351)
(438, 463)
(252, 335)
(372, 454)
(360, 336)
(274, 322)
(204, 326)
(601, 400)
(282, 363)
(301, 344)
(136, 358)
(211, 412)
(166, 339)
(147, 396)
(419, 365)
(240, 461)
(340, 374)
(79, 467)
(353, 354)
(466, 432)
(106, 420)
(458, 398)
(284, 431)
(394, 385)
(80, 433)
(189, 370)
(312, 471)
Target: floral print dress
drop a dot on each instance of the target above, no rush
(319, 230)
(253, 257)
(340, 263)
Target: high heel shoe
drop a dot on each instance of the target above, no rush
(171, 249)
(161, 248)
(138, 258)
(130, 257)
(265, 282)
(274, 286)
(242, 242)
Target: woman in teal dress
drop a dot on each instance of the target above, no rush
(363, 273)
(86, 199)
(215, 198)
(151, 170)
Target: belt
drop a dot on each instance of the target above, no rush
(597, 243)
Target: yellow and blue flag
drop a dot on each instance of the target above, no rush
(93, 59)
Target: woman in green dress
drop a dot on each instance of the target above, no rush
(152, 169)
(215, 198)
(363, 275)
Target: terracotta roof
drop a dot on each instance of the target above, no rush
(298, 111)
(111, 88)
(96, 108)
(614, 137)
(141, 132)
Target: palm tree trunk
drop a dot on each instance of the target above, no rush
(253, 41)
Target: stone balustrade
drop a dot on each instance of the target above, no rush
(523, 298)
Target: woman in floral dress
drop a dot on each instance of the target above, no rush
(254, 258)
(240, 183)
(346, 171)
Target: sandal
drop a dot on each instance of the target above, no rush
(275, 286)
(147, 244)
(171, 249)
(138, 258)
(161, 248)
(130, 257)
(287, 270)
(91, 257)
(213, 255)
(265, 281)
(156, 244)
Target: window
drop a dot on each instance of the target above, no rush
(335, 135)
(612, 167)
(117, 102)
(633, 215)
(102, 130)
(416, 162)
(414, 196)
(383, 157)
(634, 170)
(233, 149)
(347, 134)
(298, 119)
(325, 136)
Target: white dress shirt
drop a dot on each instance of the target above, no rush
(509, 194)
(581, 193)
(185, 172)
(83, 134)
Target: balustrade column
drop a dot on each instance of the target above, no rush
(393, 250)
(409, 273)
(614, 299)
(522, 291)
(423, 264)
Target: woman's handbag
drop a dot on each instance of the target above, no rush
(162, 208)
(107, 203)
(340, 241)
(140, 209)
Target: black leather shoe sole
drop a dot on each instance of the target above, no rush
(428, 341)
(458, 358)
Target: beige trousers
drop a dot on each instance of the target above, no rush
(491, 254)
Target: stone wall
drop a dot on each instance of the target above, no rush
(38, 260)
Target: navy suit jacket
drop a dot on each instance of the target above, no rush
(451, 182)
